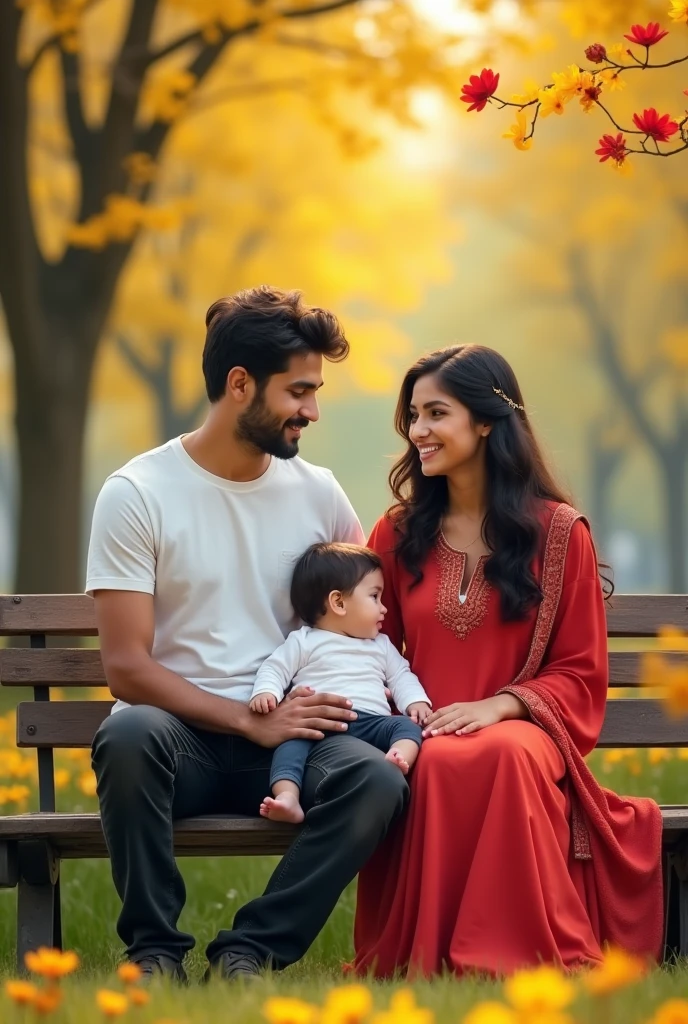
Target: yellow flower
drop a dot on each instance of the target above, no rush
(62, 778)
(403, 1010)
(22, 992)
(679, 10)
(539, 990)
(348, 1004)
(618, 53)
(285, 1010)
(551, 102)
(112, 1004)
(129, 973)
(530, 93)
(677, 693)
(51, 963)
(518, 132)
(569, 83)
(87, 784)
(491, 1013)
(617, 970)
(139, 996)
(658, 754)
(670, 638)
(48, 999)
(612, 80)
(674, 1011)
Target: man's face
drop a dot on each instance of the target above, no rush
(276, 416)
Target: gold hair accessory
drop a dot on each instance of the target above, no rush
(509, 401)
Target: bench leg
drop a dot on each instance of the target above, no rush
(676, 902)
(38, 899)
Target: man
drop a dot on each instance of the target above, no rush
(190, 561)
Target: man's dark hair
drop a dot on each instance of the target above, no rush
(325, 567)
(261, 329)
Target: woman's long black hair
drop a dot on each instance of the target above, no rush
(518, 478)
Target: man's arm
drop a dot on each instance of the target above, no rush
(126, 627)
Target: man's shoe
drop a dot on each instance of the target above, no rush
(160, 965)
(234, 967)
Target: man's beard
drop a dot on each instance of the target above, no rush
(259, 428)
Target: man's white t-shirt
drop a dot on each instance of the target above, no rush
(217, 556)
(331, 663)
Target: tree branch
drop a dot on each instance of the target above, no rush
(134, 360)
(627, 389)
(196, 36)
(78, 129)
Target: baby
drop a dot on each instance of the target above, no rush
(337, 590)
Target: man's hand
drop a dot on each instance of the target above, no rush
(471, 716)
(302, 717)
(419, 712)
(263, 703)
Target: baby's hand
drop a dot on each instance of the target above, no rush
(418, 712)
(263, 703)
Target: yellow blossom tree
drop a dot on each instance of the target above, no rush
(91, 95)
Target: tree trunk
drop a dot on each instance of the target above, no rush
(676, 511)
(50, 421)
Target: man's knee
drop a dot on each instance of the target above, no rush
(127, 739)
(381, 785)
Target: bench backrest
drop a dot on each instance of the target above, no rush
(45, 724)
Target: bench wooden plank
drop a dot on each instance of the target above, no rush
(64, 666)
(80, 835)
(78, 667)
(644, 614)
(57, 614)
(68, 723)
(76, 836)
(629, 615)
(628, 723)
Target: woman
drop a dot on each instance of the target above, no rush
(510, 853)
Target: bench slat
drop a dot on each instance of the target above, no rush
(68, 723)
(73, 614)
(644, 614)
(68, 666)
(56, 614)
(73, 723)
(64, 666)
(80, 835)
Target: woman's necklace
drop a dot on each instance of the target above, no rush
(475, 541)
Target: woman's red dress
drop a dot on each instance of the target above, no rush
(510, 853)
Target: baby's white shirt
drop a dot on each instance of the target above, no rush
(331, 663)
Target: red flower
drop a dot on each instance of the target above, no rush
(478, 91)
(658, 128)
(612, 148)
(596, 53)
(647, 36)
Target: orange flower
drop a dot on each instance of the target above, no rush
(139, 996)
(48, 999)
(112, 1004)
(51, 963)
(617, 970)
(129, 973)
(22, 992)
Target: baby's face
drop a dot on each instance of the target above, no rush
(365, 611)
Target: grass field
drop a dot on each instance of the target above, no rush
(215, 888)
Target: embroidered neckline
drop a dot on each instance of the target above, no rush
(460, 617)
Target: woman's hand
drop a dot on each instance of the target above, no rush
(471, 716)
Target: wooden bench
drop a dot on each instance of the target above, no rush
(33, 844)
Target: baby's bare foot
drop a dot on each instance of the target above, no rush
(397, 758)
(285, 807)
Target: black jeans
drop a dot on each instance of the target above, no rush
(152, 768)
(383, 731)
